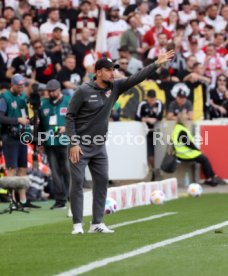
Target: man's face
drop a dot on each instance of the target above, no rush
(85, 8)
(195, 27)
(123, 62)
(219, 40)
(70, 63)
(38, 48)
(181, 100)
(210, 50)
(151, 101)
(158, 21)
(24, 50)
(2, 23)
(133, 22)
(162, 40)
(212, 12)
(57, 35)
(85, 34)
(190, 61)
(106, 75)
(3, 45)
(225, 12)
(54, 94)
(123, 54)
(54, 16)
(17, 89)
(114, 15)
(8, 14)
(16, 26)
(27, 21)
(208, 32)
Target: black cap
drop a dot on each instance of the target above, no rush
(181, 94)
(151, 94)
(123, 48)
(105, 63)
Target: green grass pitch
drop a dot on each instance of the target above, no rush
(40, 243)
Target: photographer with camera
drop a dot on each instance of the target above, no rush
(52, 122)
(15, 122)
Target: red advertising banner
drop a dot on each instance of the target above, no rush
(215, 147)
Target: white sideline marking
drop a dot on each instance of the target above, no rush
(142, 250)
(141, 220)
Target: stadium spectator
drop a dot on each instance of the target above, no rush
(81, 48)
(67, 14)
(46, 29)
(190, 61)
(2, 26)
(224, 13)
(219, 42)
(115, 113)
(20, 65)
(14, 120)
(84, 20)
(3, 59)
(162, 9)
(150, 112)
(181, 103)
(208, 36)
(218, 97)
(58, 47)
(43, 64)
(126, 8)
(52, 121)
(214, 64)
(161, 46)
(213, 18)
(198, 74)
(187, 13)
(172, 22)
(15, 27)
(123, 63)
(186, 151)
(8, 13)
(145, 19)
(28, 28)
(68, 76)
(132, 38)
(150, 38)
(94, 9)
(115, 28)
(194, 50)
(12, 49)
(134, 64)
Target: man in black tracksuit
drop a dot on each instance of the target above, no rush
(87, 120)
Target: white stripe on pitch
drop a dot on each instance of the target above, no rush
(139, 251)
(140, 220)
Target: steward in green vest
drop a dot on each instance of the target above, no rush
(16, 107)
(185, 150)
(52, 121)
(14, 120)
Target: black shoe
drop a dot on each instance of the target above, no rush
(28, 204)
(58, 205)
(219, 180)
(210, 183)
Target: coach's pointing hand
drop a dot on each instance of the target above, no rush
(75, 154)
(165, 57)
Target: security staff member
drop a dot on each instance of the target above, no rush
(87, 119)
(150, 112)
(14, 120)
(185, 150)
(52, 121)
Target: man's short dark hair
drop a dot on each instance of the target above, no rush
(50, 10)
(26, 15)
(14, 19)
(37, 41)
(3, 38)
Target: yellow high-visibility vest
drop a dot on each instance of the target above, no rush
(182, 150)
